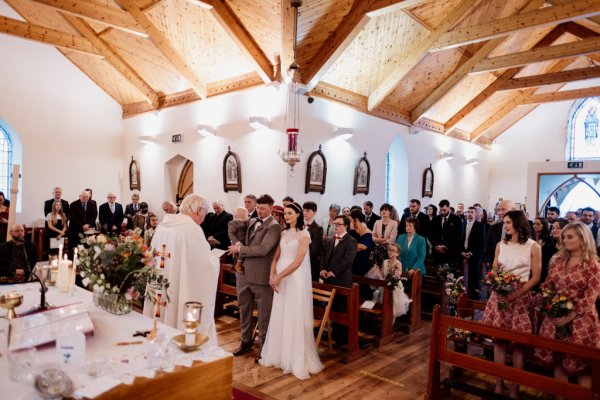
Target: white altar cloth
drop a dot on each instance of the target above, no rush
(126, 362)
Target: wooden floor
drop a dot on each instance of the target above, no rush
(397, 370)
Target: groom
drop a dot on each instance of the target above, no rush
(262, 238)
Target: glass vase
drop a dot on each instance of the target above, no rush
(114, 303)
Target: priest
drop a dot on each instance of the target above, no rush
(188, 264)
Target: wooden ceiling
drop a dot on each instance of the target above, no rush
(469, 69)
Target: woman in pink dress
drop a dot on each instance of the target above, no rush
(522, 256)
(574, 270)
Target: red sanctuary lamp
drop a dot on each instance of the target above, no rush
(293, 155)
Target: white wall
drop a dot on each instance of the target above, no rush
(264, 172)
(70, 130)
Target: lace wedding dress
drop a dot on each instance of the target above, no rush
(290, 342)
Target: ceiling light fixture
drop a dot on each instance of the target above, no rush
(259, 123)
(206, 130)
(343, 133)
(147, 139)
(447, 155)
(472, 161)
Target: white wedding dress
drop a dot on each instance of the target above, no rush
(290, 342)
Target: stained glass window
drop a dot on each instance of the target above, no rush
(6, 153)
(387, 178)
(582, 132)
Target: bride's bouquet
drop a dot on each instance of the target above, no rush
(503, 283)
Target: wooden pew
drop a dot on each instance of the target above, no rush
(348, 318)
(225, 289)
(440, 353)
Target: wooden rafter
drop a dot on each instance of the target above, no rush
(573, 49)
(337, 43)
(552, 78)
(98, 12)
(231, 24)
(288, 20)
(462, 71)
(547, 40)
(163, 44)
(417, 53)
(562, 96)
(381, 7)
(571, 11)
(114, 58)
(45, 35)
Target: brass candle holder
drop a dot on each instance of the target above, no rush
(191, 319)
(10, 301)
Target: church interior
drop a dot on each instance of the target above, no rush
(152, 96)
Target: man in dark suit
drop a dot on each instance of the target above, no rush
(496, 232)
(444, 234)
(57, 196)
(262, 239)
(414, 210)
(472, 242)
(111, 215)
(83, 214)
(131, 209)
(17, 257)
(215, 227)
(250, 204)
(587, 217)
(370, 216)
(309, 209)
(336, 268)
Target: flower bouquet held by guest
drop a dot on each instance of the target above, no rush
(392, 272)
(575, 273)
(503, 283)
(236, 230)
(519, 255)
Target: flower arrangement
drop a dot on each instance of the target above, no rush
(459, 335)
(454, 288)
(503, 283)
(394, 277)
(120, 265)
(556, 304)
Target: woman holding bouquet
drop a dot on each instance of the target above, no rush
(520, 256)
(575, 273)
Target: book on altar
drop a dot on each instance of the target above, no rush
(218, 252)
(368, 304)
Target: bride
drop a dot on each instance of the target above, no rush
(290, 342)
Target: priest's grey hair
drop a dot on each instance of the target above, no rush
(192, 203)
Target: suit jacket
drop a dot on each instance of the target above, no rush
(493, 237)
(475, 244)
(129, 213)
(372, 219)
(261, 243)
(338, 259)
(108, 219)
(422, 229)
(49, 203)
(216, 226)
(78, 218)
(448, 236)
(413, 257)
(8, 264)
(316, 241)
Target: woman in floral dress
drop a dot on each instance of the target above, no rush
(575, 271)
(522, 256)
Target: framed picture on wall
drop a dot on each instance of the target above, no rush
(316, 172)
(135, 182)
(428, 182)
(362, 175)
(232, 172)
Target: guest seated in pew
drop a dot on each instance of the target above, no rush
(17, 257)
(520, 255)
(575, 271)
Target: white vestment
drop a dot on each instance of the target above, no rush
(192, 271)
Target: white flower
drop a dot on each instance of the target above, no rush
(101, 239)
(82, 274)
(85, 282)
(450, 276)
(97, 250)
(448, 292)
(102, 276)
(569, 306)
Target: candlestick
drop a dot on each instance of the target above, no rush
(191, 320)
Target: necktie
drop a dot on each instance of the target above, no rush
(135, 207)
(467, 233)
(84, 206)
(444, 221)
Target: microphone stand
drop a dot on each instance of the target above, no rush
(43, 290)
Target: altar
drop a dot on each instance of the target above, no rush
(118, 365)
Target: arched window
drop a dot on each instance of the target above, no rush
(6, 161)
(582, 132)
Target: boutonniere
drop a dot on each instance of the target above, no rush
(261, 227)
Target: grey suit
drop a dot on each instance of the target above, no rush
(338, 259)
(253, 284)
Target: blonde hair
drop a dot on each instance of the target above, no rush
(55, 214)
(588, 247)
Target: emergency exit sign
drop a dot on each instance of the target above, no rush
(575, 164)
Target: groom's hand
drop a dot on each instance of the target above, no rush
(234, 249)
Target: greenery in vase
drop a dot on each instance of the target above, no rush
(121, 265)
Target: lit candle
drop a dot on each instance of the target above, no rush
(192, 310)
(60, 250)
(63, 279)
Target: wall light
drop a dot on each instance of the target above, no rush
(343, 133)
(447, 155)
(147, 139)
(206, 130)
(472, 161)
(259, 123)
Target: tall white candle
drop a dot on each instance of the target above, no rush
(75, 257)
(63, 280)
(60, 250)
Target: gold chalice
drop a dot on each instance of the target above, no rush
(11, 301)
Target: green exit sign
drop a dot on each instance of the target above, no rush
(575, 164)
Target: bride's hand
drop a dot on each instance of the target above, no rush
(274, 281)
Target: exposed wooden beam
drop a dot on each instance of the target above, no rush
(547, 40)
(163, 44)
(114, 58)
(189, 96)
(98, 12)
(579, 30)
(45, 35)
(573, 49)
(498, 115)
(595, 19)
(462, 71)
(288, 21)
(573, 10)
(562, 96)
(572, 75)
(231, 24)
(417, 52)
(381, 7)
(150, 5)
(337, 43)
